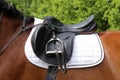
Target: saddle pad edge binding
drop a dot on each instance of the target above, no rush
(36, 61)
(94, 64)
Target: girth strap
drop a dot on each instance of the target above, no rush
(51, 74)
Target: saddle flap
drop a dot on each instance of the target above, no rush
(39, 43)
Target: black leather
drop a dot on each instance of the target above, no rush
(65, 33)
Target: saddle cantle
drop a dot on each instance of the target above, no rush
(52, 41)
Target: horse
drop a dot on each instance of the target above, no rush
(15, 66)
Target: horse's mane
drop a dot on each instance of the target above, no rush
(10, 10)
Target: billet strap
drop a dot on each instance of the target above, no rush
(52, 71)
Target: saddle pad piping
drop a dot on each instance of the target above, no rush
(88, 60)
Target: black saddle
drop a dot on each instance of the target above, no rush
(52, 41)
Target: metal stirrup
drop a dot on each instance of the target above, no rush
(54, 40)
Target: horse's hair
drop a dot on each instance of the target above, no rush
(10, 10)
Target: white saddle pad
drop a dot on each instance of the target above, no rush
(87, 52)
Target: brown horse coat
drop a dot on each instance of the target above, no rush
(15, 66)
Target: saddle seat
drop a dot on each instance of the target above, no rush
(52, 41)
(89, 25)
(86, 24)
